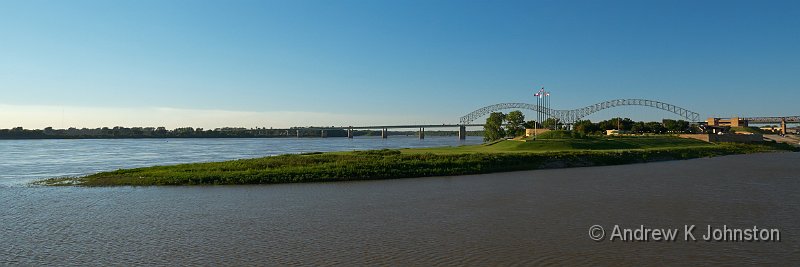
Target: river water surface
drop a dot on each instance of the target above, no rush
(23, 161)
(519, 218)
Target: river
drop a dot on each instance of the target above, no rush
(537, 217)
(24, 161)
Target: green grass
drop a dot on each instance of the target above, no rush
(388, 164)
(573, 144)
(559, 134)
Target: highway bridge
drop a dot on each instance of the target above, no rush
(462, 129)
(563, 116)
(567, 117)
(745, 121)
(789, 119)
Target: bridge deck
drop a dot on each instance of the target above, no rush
(788, 119)
(408, 126)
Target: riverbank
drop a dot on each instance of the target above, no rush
(405, 163)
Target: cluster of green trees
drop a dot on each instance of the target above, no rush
(515, 125)
(626, 124)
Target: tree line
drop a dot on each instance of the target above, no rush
(628, 125)
(189, 132)
(499, 125)
(146, 132)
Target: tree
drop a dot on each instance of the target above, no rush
(585, 127)
(616, 124)
(626, 124)
(532, 125)
(678, 126)
(640, 127)
(684, 126)
(606, 125)
(656, 127)
(493, 129)
(515, 121)
(551, 123)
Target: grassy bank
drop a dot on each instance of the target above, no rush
(388, 164)
(571, 144)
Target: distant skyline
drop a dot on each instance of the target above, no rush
(297, 63)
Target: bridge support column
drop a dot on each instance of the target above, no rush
(783, 126)
(323, 134)
(421, 133)
(298, 133)
(350, 133)
(384, 134)
(462, 132)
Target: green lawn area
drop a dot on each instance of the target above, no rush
(553, 145)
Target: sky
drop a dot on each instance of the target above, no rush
(235, 63)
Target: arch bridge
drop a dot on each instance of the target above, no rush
(573, 115)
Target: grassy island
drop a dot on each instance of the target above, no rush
(502, 156)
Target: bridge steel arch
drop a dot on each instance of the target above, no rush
(571, 116)
(466, 119)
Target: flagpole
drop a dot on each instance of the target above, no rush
(547, 98)
(538, 114)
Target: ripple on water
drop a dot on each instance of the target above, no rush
(520, 218)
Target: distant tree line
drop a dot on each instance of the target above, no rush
(189, 132)
(142, 132)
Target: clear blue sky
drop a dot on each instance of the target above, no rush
(393, 61)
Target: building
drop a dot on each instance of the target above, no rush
(725, 122)
(616, 132)
(531, 132)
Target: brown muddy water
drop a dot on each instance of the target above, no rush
(520, 218)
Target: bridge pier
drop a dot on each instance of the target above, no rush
(323, 134)
(350, 133)
(298, 133)
(384, 134)
(462, 132)
(783, 126)
(421, 133)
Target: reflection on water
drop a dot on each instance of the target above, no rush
(23, 161)
(526, 218)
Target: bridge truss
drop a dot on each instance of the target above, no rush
(571, 116)
(789, 119)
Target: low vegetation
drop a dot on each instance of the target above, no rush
(560, 134)
(386, 164)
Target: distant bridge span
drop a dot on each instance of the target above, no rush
(571, 116)
(787, 119)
